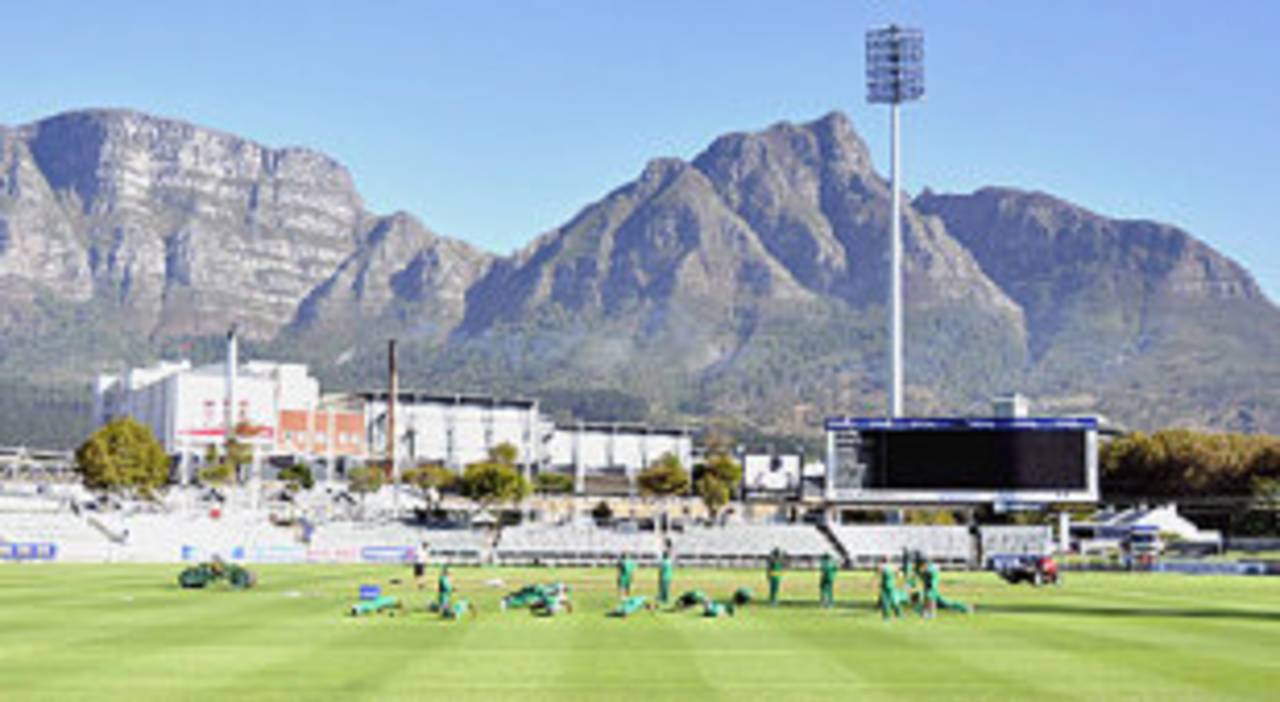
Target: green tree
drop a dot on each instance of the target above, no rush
(364, 480)
(505, 453)
(430, 480)
(490, 482)
(664, 477)
(219, 473)
(123, 456)
(298, 476)
(716, 479)
(553, 483)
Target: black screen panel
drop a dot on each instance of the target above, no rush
(975, 459)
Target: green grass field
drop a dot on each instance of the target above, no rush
(128, 632)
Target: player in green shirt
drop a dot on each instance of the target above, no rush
(444, 589)
(691, 598)
(890, 599)
(714, 609)
(827, 580)
(631, 605)
(525, 596)
(626, 570)
(456, 609)
(773, 571)
(666, 573)
(931, 599)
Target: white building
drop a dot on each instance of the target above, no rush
(186, 407)
(456, 430)
(625, 449)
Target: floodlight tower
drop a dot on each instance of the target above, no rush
(895, 74)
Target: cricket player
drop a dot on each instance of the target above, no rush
(420, 555)
(666, 573)
(890, 599)
(631, 605)
(553, 601)
(773, 571)
(827, 581)
(444, 589)
(525, 596)
(626, 570)
(457, 609)
(931, 599)
(715, 609)
(691, 598)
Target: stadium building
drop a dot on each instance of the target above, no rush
(279, 405)
(456, 430)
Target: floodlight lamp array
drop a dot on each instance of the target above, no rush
(895, 65)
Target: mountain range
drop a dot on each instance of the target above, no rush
(748, 283)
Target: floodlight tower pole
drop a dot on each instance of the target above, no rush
(895, 269)
(895, 74)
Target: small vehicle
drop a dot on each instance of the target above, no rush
(1037, 570)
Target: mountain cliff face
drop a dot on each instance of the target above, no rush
(187, 229)
(748, 281)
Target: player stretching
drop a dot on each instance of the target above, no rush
(444, 589)
(666, 573)
(827, 581)
(773, 571)
(626, 570)
(932, 600)
(890, 598)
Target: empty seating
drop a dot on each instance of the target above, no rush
(869, 543)
(748, 544)
(1015, 540)
(574, 545)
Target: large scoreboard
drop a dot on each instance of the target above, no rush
(962, 460)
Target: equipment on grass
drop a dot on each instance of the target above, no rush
(205, 574)
(1037, 570)
(742, 596)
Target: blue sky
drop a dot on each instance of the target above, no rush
(495, 121)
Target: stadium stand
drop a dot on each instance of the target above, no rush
(748, 544)
(1015, 540)
(574, 545)
(867, 544)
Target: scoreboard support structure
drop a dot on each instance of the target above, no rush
(962, 461)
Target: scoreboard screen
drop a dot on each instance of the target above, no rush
(962, 460)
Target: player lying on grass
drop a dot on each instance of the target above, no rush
(692, 598)
(715, 610)
(378, 605)
(457, 609)
(554, 601)
(631, 605)
(530, 595)
(931, 599)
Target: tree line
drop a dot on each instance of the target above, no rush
(1181, 463)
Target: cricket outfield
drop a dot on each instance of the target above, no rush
(107, 632)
